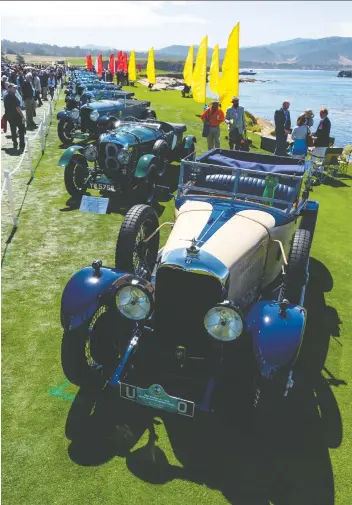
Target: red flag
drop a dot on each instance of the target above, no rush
(100, 65)
(120, 61)
(125, 63)
(89, 62)
(112, 64)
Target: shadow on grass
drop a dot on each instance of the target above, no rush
(121, 204)
(288, 465)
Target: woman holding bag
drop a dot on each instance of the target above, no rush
(212, 118)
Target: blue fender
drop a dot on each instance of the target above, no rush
(144, 166)
(310, 207)
(68, 154)
(277, 335)
(63, 115)
(81, 296)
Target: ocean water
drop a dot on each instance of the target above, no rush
(304, 89)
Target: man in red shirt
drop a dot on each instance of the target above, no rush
(213, 116)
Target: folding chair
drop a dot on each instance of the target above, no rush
(328, 166)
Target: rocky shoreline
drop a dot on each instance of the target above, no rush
(175, 81)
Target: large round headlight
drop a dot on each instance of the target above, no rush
(94, 115)
(224, 322)
(91, 153)
(75, 113)
(123, 156)
(135, 300)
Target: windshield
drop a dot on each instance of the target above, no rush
(277, 190)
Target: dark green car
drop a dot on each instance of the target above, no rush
(132, 156)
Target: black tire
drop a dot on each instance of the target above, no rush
(75, 173)
(88, 355)
(64, 131)
(132, 255)
(297, 266)
(161, 151)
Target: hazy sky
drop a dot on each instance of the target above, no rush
(140, 25)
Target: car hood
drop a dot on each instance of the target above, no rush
(222, 235)
(103, 105)
(140, 133)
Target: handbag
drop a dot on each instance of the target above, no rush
(4, 123)
(206, 129)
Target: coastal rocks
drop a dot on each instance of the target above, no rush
(345, 73)
(175, 83)
(164, 83)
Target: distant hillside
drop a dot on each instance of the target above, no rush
(330, 52)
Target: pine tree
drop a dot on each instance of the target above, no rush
(20, 60)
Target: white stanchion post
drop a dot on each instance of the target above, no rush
(42, 138)
(44, 123)
(11, 200)
(50, 111)
(29, 155)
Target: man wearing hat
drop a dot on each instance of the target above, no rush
(28, 92)
(213, 116)
(14, 116)
(236, 123)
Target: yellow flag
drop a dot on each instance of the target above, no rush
(151, 67)
(132, 67)
(188, 68)
(214, 71)
(199, 80)
(228, 85)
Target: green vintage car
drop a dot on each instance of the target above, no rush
(132, 156)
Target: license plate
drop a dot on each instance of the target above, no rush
(102, 186)
(155, 397)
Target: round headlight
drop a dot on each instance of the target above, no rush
(94, 115)
(75, 113)
(134, 301)
(91, 153)
(224, 322)
(123, 156)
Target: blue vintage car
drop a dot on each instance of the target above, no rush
(99, 115)
(132, 155)
(169, 328)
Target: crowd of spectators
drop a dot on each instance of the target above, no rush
(24, 88)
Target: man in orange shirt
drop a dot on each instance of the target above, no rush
(213, 116)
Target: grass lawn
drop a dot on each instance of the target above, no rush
(59, 452)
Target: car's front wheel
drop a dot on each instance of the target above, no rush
(161, 152)
(76, 172)
(89, 353)
(65, 130)
(133, 254)
(296, 275)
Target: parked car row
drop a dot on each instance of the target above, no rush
(168, 326)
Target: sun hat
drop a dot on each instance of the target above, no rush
(309, 111)
(215, 100)
(234, 98)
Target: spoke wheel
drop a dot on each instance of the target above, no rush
(90, 353)
(133, 255)
(76, 172)
(65, 131)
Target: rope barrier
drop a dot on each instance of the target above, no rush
(43, 131)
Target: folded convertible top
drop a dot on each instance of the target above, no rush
(253, 161)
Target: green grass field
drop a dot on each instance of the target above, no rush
(59, 452)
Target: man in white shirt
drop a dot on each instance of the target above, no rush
(236, 122)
